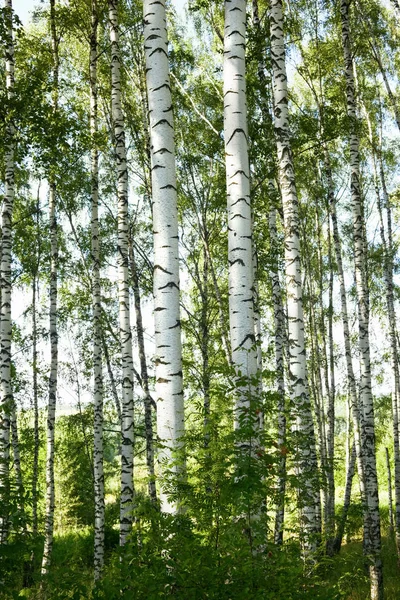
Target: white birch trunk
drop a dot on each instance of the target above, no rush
(330, 413)
(127, 489)
(307, 468)
(280, 339)
(17, 456)
(391, 314)
(111, 377)
(350, 470)
(6, 398)
(99, 506)
(36, 443)
(373, 533)
(168, 351)
(388, 271)
(51, 409)
(390, 500)
(240, 255)
(351, 380)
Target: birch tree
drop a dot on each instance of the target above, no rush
(240, 255)
(168, 350)
(6, 398)
(127, 489)
(51, 409)
(280, 344)
(96, 308)
(306, 459)
(373, 533)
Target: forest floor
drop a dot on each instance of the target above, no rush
(346, 572)
(340, 578)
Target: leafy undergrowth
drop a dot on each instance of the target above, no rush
(174, 562)
(348, 574)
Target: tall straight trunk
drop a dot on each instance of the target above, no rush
(330, 413)
(306, 456)
(337, 542)
(98, 455)
(390, 306)
(351, 380)
(148, 419)
(317, 393)
(222, 323)
(168, 349)
(240, 255)
(205, 338)
(36, 442)
(389, 293)
(112, 379)
(127, 434)
(328, 401)
(280, 339)
(16, 457)
(51, 409)
(373, 532)
(6, 397)
(390, 500)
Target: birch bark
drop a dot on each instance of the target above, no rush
(51, 409)
(148, 419)
(373, 533)
(280, 338)
(240, 252)
(330, 413)
(36, 443)
(99, 507)
(388, 248)
(6, 398)
(389, 293)
(127, 488)
(351, 380)
(307, 469)
(168, 353)
(390, 501)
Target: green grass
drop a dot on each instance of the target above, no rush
(343, 577)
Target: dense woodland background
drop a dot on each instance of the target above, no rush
(215, 417)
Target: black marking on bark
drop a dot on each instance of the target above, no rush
(170, 284)
(162, 151)
(237, 130)
(162, 122)
(160, 87)
(158, 50)
(162, 269)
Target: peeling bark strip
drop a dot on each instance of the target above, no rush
(127, 489)
(51, 411)
(240, 254)
(6, 398)
(307, 466)
(373, 532)
(99, 507)
(168, 352)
